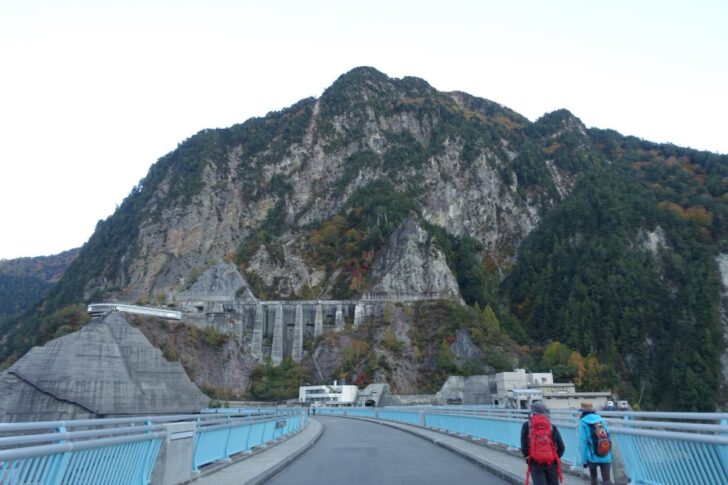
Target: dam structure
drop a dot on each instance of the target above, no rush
(273, 328)
(279, 328)
(221, 299)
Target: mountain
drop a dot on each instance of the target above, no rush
(595, 252)
(25, 281)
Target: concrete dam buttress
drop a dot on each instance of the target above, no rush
(276, 328)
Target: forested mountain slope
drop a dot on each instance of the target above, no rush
(25, 281)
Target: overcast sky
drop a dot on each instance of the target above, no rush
(93, 92)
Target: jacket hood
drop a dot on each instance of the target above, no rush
(591, 418)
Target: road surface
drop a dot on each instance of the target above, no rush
(359, 452)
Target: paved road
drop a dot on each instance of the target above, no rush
(357, 452)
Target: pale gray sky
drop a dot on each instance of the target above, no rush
(93, 92)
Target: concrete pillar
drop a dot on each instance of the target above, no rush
(276, 353)
(318, 321)
(297, 349)
(339, 319)
(257, 342)
(238, 328)
(358, 314)
(174, 460)
(239, 319)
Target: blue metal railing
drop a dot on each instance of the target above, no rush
(224, 435)
(47, 453)
(124, 450)
(656, 448)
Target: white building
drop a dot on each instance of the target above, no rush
(328, 395)
(518, 389)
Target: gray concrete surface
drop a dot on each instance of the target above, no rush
(174, 461)
(508, 465)
(364, 452)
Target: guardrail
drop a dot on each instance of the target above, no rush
(99, 308)
(125, 450)
(220, 436)
(656, 448)
(112, 451)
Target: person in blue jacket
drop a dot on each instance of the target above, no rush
(589, 457)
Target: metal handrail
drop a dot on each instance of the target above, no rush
(32, 451)
(672, 435)
(125, 450)
(35, 425)
(74, 435)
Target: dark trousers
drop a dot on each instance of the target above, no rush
(544, 474)
(604, 467)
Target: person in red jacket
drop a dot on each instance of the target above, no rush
(542, 446)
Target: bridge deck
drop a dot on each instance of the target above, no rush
(354, 451)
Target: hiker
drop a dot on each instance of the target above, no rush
(542, 447)
(595, 443)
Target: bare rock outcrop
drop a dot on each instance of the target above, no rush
(222, 278)
(412, 264)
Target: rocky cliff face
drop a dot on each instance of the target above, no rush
(221, 279)
(411, 264)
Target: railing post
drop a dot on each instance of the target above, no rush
(63, 460)
(142, 479)
(724, 450)
(227, 437)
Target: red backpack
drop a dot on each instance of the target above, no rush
(541, 446)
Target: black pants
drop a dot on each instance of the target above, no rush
(604, 467)
(544, 474)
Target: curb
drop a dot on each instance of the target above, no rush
(494, 469)
(273, 470)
